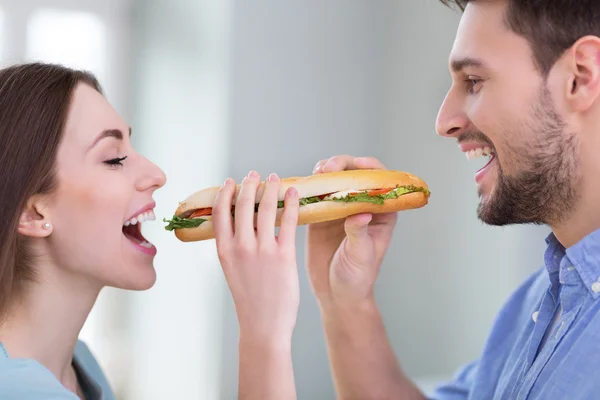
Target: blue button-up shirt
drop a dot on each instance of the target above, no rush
(516, 362)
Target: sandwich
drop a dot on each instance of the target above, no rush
(323, 197)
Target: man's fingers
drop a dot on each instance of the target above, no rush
(347, 162)
(221, 213)
(339, 163)
(318, 166)
(368, 163)
(357, 228)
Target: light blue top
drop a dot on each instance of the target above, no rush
(27, 379)
(515, 363)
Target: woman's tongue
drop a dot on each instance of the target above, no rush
(133, 233)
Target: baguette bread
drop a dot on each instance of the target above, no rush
(317, 185)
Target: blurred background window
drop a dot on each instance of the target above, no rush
(74, 38)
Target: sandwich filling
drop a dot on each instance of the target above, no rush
(376, 196)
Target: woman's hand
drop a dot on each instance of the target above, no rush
(261, 270)
(260, 267)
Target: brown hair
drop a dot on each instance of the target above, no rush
(34, 103)
(550, 26)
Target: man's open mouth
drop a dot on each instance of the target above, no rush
(132, 229)
(484, 154)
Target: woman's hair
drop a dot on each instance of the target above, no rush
(34, 103)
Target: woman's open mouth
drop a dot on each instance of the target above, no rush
(132, 229)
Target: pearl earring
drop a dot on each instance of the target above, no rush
(46, 225)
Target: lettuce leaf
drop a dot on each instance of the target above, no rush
(178, 223)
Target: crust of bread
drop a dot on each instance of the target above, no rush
(312, 185)
(320, 212)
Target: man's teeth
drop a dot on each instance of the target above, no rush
(482, 151)
(146, 216)
(146, 244)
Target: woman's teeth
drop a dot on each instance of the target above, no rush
(146, 216)
(485, 151)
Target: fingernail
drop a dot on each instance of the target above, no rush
(273, 177)
(292, 192)
(253, 174)
(317, 169)
(226, 181)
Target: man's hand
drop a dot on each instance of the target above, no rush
(344, 256)
(343, 260)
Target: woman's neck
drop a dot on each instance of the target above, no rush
(46, 322)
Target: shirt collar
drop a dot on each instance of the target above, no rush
(555, 252)
(585, 257)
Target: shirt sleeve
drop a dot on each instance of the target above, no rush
(459, 387)
(28, 380)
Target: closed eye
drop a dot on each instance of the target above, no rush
(115, 161)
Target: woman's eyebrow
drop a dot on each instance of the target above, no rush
(108, 133)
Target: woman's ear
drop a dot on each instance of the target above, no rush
(33, 221)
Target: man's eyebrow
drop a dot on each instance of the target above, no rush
(462, 63)
(108, 133)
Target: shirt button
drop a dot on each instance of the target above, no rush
(596, 287)
(534, 316)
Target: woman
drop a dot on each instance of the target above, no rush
(70, 183)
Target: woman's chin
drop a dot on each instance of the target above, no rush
(138, 281)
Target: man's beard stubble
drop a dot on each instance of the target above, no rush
(546, 188)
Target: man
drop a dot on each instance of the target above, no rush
(526, 90)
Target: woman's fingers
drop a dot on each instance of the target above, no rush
(267, 210)
(221, 213)
(289, 219)
(244, 209)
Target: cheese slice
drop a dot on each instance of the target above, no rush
(342, 194)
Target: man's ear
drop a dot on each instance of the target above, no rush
(34, 221)
(583, 88)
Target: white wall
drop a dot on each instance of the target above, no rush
(304, 86)
(180, 121)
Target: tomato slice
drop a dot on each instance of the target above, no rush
(321, 197)
(376, 192)
(201, 212)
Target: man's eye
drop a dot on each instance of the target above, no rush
(115, 161)
(473, 84)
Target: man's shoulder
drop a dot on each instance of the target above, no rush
(27, 379)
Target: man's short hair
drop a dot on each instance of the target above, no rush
(550, 26)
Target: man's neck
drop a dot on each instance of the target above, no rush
(579, 224)
(586, 217)
(45, 325)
